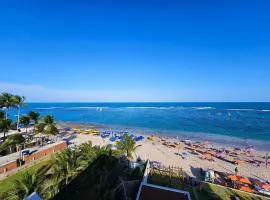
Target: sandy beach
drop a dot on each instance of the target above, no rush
(155, 150)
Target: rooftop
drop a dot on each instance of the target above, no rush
(149, 191)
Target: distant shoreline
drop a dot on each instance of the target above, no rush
(213, 139)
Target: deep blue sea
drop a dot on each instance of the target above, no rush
(230, 123)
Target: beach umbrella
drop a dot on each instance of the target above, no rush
(246, 189)
(207, 155)
(245, 180)
(211, 152)
(237, 150)
(266, 186)
(220, 155)
(233, 177)
(250, 149)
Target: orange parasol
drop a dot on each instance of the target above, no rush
(233, 177)
(246, 189)
(245, 180)
(238, 162)
(211, 152)
(207, 155)
(266, 186)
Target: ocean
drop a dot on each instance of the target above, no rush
(224, 123)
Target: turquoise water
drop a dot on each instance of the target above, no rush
(217, 122)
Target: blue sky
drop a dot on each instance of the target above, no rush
(136, 50)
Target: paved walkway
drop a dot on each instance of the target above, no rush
(14, 156)
(8, 173)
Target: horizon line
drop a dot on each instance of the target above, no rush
(148, 102)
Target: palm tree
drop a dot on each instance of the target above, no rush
(48, 119)
(39, 128)
(87, 153)
(34, 116)
(127, 145)
(6, 102)
(47, 126)
(2, 115)
(66, 165)
(18, 102)
(50, 188)
(5, 125)
(51, 129)
(27, 185)
(25, 120)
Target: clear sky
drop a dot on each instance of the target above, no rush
(136, 50)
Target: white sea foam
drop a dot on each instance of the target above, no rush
(155, 107)
(241, 109)
(86, 107)
(48, 108)
(139, 107)
(203, 108)
(246, 109)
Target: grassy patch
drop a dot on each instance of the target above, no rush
(6, 184)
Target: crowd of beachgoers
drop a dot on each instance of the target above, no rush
(246, 169)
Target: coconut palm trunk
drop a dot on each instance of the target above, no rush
(18, 117)
(6, 113)
(17, 102)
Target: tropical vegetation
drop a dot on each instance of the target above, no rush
(101, 169)
(18, 102)
(45, 125)
(25, 121)
(5, 125)
(127, 145)
(92, 167)
(11, 144)
(34, 116)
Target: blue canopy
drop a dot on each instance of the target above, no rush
(113, 138)
(139, 138)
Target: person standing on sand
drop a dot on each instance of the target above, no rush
(236, 171)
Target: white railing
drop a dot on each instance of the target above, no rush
(146, 172)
